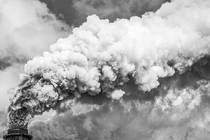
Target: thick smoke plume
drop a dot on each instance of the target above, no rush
(148, 57)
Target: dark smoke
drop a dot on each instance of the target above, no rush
(74, 12)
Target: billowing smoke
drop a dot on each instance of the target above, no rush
(156, 67)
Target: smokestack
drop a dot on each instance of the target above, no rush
(18, 124)
(17, 134)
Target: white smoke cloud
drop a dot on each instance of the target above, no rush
(143, 47)
(117, 94)
(100, 57)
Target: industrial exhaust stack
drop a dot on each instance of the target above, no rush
(18, 124)
(17, 134)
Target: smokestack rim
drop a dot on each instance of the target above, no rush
(17, 132)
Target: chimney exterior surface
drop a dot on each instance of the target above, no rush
(17, 134)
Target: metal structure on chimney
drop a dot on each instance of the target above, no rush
(17, 134)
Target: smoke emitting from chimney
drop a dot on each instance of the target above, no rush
(102, 58)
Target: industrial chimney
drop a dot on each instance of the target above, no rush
(17, 134)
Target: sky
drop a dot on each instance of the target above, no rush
(132, 75)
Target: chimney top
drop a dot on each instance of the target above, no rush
(17, 134)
